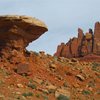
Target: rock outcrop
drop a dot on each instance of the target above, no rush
(96, 49)
(16, 32)
(85, 44)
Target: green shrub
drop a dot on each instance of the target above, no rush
(51, 91)
(33, 86)
(45, 97)
(62, 97)
(27, 94)
(96, 66)
(30, 80)
(86, 92)
(38, 95)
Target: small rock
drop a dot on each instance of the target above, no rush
(90, 88)
(59, 77)
(23, 69)
(18, 93)
(42, 52)
(37, 80)
(76, 85)
(80, 77)
(74, 60)
(52, 66)
(2, 97)
(22, 98)
(43, 90)
(51, 87)
(19, 85)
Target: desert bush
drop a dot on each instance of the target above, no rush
(27, 94)
(38, 95)
(33, 86)
(86, 92)
(62, 97)
(96, 66)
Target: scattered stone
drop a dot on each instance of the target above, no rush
(43, 90)
(2, 97)
(74, 60)
(52, 66)
(18, 93)
(76, 85)
(42, 53)
(21, 98)
(80, 77)
(38, 80)
(19, 85)
(51, 88)
(59, 77)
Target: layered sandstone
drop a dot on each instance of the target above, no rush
(88, 43)
(96, 49)
(16, 32)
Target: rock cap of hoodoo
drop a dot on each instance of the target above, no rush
(25, 19)
(27, 27)
(17, 32)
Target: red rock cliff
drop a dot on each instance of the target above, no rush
(85, 44)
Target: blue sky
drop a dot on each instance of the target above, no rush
(63, 17)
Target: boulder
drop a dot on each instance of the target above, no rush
(23, 69)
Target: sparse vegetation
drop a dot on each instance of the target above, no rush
(62, 97)
(96, 66)
(33, 86)
(51, 91)
(91, 84)
(45, 97)
(27, 94)
(38, 95)
(86, 92)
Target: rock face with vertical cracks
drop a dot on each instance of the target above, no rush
(81, 46)
(16, 32)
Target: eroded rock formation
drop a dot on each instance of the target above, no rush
(85, 44)
(16, 32)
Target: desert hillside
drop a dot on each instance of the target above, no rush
(30, 75)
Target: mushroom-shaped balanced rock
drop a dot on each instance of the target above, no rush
(16, 32)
